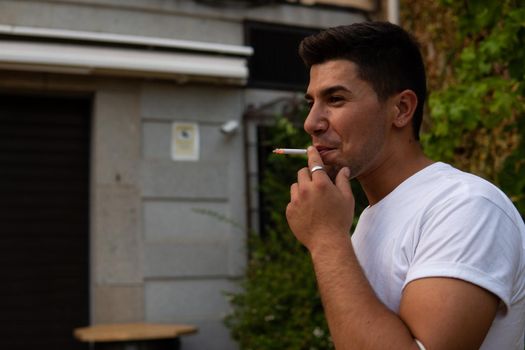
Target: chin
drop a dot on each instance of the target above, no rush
(332, 170)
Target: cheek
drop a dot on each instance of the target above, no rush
(357, 139)
(353, 134)
(355, 125)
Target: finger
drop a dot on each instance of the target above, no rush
(293, 191)
(342, 182)
(303, 176)
(314, 158)
(293, 197)
(315, 161)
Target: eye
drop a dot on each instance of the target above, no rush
(309, 104)
(335, 99)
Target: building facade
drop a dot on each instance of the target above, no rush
(162, 170)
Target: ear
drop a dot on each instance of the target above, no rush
(405, 106)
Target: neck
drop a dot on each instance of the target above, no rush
(389, 173)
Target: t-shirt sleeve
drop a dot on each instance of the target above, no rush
(472, 239)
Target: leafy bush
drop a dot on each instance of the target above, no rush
(280, 306)
(477, 109)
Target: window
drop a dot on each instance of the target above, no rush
(275, 63)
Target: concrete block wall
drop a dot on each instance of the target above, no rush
(175, 19)
(190, 257)
(116, 235)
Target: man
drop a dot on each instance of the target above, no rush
(437, 259)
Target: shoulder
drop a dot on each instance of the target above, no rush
(473, 232)
(458, 191)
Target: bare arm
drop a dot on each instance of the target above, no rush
(356, 318)
(442, 313)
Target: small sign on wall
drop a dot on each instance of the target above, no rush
(185, 141)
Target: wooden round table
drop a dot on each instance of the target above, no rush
(134, 336)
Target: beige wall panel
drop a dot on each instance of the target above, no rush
(116, 304)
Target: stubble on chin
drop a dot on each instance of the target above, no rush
(332, 171)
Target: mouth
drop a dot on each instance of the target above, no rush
(324, 151)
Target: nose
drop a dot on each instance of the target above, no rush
(315, 123)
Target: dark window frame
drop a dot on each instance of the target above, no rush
(290, 72)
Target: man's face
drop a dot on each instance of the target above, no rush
(347, 123)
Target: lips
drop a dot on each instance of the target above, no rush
(324, 149)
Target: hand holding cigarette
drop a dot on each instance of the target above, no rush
(320, 212)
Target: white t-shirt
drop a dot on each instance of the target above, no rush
(442, 222)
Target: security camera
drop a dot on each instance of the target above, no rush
(229, 127)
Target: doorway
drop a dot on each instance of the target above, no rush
(44, 220)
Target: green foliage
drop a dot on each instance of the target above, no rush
(477, 118)
(279, 307)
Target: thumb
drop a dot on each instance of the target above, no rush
(342, 182)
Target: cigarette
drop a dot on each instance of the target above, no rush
(289, 151)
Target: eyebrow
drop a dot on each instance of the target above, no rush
(328, 91)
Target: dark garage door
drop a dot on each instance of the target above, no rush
(44, 203)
